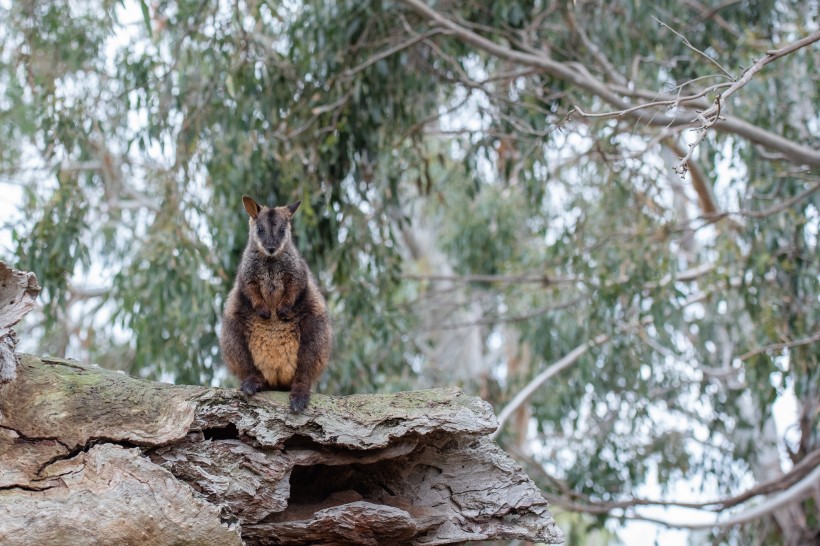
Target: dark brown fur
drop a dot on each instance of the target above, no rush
(275, 330)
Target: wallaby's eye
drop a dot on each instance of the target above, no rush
(259, 230)
(281, 231)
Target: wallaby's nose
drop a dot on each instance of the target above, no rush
(271, 249)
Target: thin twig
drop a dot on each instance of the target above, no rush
(712, 218)
(706, 13)
(711, 115)
(545, 280)
(693, 48)
(782, 206)
(392, 51)
(778, 346)
(668, 102)
(513, 318)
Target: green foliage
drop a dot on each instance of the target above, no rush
(54, 247)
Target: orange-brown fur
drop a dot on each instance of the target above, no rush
(274, 346)
(275, 330)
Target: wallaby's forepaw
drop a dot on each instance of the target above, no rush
(299, 400)
(252, 385)
(284, 312)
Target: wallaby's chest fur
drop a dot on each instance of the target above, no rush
(274, 346)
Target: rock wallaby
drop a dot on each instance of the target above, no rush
(275, 330)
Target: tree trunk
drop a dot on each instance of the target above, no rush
(91, 456)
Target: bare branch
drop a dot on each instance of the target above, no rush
(707, 13)
(712, 218)
(514, 318)
(584, 503)
(391, 51)
(693, 48)
(546, 280)
(797, 483)
(712, 114)
(706, 122)
(569, 16)
(523, 395)
(85, 292)
(677, 101)
(782, 206)
(687, 275)
(800, 491)
(797, 153)
(795, 493)
(779, 346)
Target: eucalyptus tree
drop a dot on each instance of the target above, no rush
(601, 216)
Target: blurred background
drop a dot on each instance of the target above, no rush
(470, 217)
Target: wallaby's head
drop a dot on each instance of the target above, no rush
(269, 226)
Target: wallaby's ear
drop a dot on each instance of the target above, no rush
(251, 206)
(293, 206)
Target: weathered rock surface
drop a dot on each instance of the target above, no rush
(18, 291)
(110, 495)
(93, 456)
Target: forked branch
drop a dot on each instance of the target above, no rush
(617, 95)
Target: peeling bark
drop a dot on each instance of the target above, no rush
(92, 456)
(110, 495)
(18, 290)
